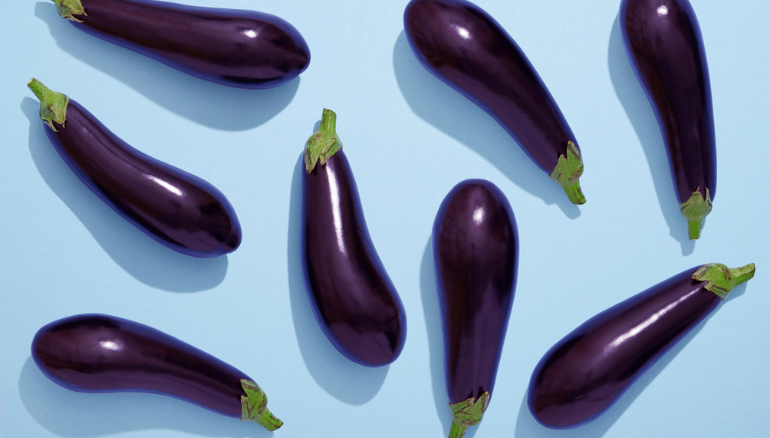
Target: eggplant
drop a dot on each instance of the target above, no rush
(468, 50)
(475, 254)
(100, 353)
(589, 369)
(244, 49)
(352, 296)
(664, 45)
(177, 209)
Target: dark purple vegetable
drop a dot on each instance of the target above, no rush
(589, 369)
(179, 210)
(352, 296)
(475, 253)
(244, 49)
(663, 42)
(468, 50)
(101, 353)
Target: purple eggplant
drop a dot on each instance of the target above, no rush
(101, 353)
(352, 296)
(468, 50)
(245, 49)
(475, 253)
(589, 369)
(179, 210)
(664, 45)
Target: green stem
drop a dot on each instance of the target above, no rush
(567, 173)
(695, 210)
(574, 193)
(457, 430)
(743, 274)
(722, 280)
(324, 143)
(254, 406)
(53, 105)
(68, 8)
(467, 413)
(328, 120)
(693, 228)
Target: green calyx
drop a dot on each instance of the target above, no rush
(324, 143)
(69, 8)
(53, 105)
(567, 172)
(254, 406)
(721, 279)
(695, 210)
(467, 413)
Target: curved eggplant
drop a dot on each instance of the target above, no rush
(664, 45)
(352, 296)
(475, 254)
(467, 49)
(100, 353)
(244, 49)
(589, 369)
(179, 210)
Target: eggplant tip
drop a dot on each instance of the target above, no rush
(567, 172)
(721, 280)
(467, 413)
(323, 143)
(695, 211)
(69, 8)
(254, 406)
(53, 105)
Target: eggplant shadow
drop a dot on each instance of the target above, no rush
(138, 254)
(75, 414)
(203, 102)
(463, 120)
(433, 326)
(639, 112)
(344, 379)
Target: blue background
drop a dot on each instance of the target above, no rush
(409, 139)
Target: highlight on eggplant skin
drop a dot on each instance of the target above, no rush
(238, 48)
(664, 45)
(475, 254)
(352, 296)
(467, 49)
(96, 353)
(175, 208)
(588, 370)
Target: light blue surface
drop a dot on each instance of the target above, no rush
(409, 138)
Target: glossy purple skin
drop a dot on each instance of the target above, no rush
(101, 353)
(475, 254)
(589, 369)
(179, 210)
(468, 50)
(350, 292)
(245, 49)
(664, 45)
